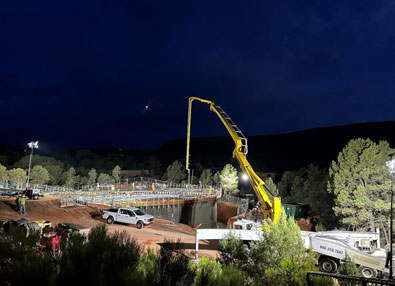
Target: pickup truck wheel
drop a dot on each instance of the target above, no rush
(110, 220)
(139, 224)
(367, 272)
(327, 265)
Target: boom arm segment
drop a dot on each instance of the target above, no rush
(270, 204)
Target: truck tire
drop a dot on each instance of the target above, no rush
(367, 272)
(110, 220)
(327, 264)
(139, 225)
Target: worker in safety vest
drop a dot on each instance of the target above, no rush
(22, 207)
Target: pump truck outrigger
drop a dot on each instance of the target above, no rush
(271, 205)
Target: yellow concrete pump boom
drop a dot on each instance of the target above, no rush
(271, 205)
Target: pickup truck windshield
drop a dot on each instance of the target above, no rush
(139, 212)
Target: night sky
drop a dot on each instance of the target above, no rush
(81, 73)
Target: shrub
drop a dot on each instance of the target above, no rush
(212, 273)
(348, 267)
(232, 250)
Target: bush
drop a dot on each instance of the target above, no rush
(348, 267)
(101, 260)
(212, 273)
(281, 258)
(21, 262)
(232, 250)
(172, 266)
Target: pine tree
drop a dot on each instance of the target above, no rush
(360, 184)
(175, 172)
(281, 258)
(92, 175)
(229, 179)
(17, 176)
(271, 186)
(103, 178)
(116, 173)
(348, 267)
(3, 173)
(39, 175)
(70, 178)
(206, 177)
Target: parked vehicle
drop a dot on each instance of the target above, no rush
(72, 227)
(363, 248)
(330, 247)
(29, 226)
(129, 215)
(9, 192)
(33, 194)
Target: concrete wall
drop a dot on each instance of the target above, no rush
(190, 213)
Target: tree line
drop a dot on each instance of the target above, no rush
(48, 170)
(353, 192)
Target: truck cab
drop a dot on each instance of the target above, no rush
(129, 215)
(33, 194)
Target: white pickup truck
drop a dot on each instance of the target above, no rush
(129, 215)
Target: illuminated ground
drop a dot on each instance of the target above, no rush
(48, 208)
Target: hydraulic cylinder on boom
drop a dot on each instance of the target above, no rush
(270, 204)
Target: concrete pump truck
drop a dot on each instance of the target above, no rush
(330, 246)
(270, 204)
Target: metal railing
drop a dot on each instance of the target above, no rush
(329, 279)
(128, 183)
(135, 198)
(242, 204)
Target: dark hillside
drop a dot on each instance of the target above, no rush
(270, 153)
(281, 152)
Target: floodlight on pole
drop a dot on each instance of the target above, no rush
(32, 145)
(391, 167)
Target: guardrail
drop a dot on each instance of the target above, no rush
(320, 278)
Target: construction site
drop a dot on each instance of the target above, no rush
(177, 211)
(153, 211)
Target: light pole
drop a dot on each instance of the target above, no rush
(391, 167)
(32, 145)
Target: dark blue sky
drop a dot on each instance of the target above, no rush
(79, 73)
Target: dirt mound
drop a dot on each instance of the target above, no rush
(225, 211)
(307, 224)
(48, 209)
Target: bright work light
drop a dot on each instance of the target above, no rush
(244, 177)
